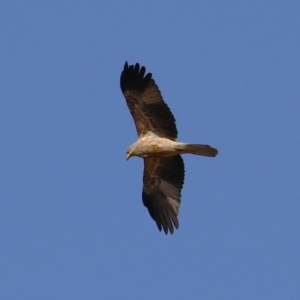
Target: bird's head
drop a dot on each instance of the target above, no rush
(130, 152)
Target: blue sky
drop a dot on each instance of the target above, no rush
(72, 222)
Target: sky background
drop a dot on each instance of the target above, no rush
(72, 222)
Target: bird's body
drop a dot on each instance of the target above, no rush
(151, 145)
(163, 166)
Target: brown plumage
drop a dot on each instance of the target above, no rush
(163, 166)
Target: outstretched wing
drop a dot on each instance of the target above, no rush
(148, 109)
(163, 180)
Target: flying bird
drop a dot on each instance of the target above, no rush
(163, 165)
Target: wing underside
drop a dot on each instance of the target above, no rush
(147, 107)
(163, 180)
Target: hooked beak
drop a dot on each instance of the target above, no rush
(127, 156)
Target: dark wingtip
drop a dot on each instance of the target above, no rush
(132, 77)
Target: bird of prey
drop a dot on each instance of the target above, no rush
(163, 166)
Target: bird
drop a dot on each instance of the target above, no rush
(164, 170)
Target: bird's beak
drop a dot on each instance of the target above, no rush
(127, 156)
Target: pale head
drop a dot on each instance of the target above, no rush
(130, 151)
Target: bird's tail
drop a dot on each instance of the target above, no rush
(199, 149)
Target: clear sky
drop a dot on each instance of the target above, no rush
(72, 222)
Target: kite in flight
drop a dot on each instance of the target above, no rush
(163, 166)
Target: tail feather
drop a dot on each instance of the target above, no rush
(199, 149)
